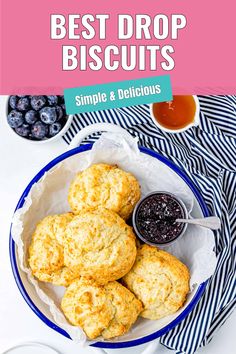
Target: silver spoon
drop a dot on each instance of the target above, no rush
(211, 222)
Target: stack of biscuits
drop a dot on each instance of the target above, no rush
(110, 278)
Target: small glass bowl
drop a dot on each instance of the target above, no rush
(135, 212)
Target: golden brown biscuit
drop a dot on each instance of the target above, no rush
(99, 245)
(59, 224)
(46, 252)
(104, 186)
(127, 309)
(108, 310)
(159, 280)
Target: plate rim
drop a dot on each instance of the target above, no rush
(44, 318)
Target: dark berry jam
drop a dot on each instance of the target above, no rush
(155, 218)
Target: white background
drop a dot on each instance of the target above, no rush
(20, 161)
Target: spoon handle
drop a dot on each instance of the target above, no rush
(211, 222)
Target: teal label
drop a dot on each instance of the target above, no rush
(118, 94)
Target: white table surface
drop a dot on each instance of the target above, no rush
(20, 161)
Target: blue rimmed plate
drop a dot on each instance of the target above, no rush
(148, 330)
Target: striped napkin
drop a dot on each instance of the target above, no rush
(207, 154)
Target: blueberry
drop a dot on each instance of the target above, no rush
(39, 130)
(31, 117)
(13, 101)
(23, 130)
(63, 121)
(48, 115)
(60, 112)
(37, 102)
(63, 107)
(61, 99)
(52, 100)
(15, 119)
(54, 129)
(23, 104)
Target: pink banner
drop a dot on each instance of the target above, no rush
(202, 60)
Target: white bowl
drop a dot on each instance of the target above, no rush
(174, 131)
(144, 330)
(49, 140)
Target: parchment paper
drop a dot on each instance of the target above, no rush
(49, 196)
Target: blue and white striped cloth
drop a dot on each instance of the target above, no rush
(208, 155)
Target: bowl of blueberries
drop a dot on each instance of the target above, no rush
(39, 119)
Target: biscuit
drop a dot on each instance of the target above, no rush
(159, 280)
(104, 186)
(127, 309)
(108, 310)
(46, 251)
(99, 245)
